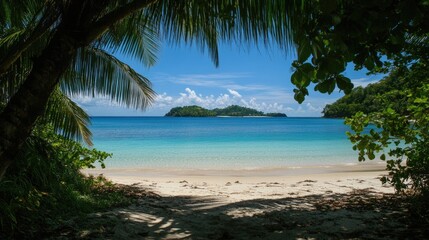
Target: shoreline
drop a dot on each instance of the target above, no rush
(294, 170)
(239, 185)
(317, 202)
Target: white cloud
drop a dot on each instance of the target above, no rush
(363, 82)
(190, 97)
(228, 81)
(220, 80)
(311, 108)
(87, 101)
(164, 102)
(234, 93)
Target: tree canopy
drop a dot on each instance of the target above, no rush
(232, 111)
(390, 92)
(190, 111)
(375, 35)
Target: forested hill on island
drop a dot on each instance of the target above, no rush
(391, 92)
(231, 111)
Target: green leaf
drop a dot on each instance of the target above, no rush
(369, 63)
(304, 51)
(5, 11)
(303, 75)
(327, 86)
(300, 95)
(336, 20)
(95, 72)
(344, 84)
(67, 118)
(421, 100)
(332, 65)
(296, 78)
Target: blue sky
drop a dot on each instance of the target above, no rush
(251, 77)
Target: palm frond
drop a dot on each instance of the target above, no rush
(67, 118)
(11, 80)
(18, 35)
(204, 23)
(9, 36)
(18, 13)
(133, 38)
(95, 72)
(421, 41)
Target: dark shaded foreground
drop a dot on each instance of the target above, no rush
(355, 215)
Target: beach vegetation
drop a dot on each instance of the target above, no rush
(402, 132)
(389, 121)
(380, 37)
(45, 188)
(402, 141)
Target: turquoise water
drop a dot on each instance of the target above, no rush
(222, 143)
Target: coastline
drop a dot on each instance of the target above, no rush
(335, 202)
(238, 185)
(293, 170)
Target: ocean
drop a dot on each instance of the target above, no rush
(222, 143)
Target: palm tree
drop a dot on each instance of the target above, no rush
(67, 44)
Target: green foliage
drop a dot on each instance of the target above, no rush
(190, 111)
(45, 186)
(237, 111)
(375, 35)
(390, 92)
(406, 136)
(67, 118)
(233, 111)
(275, 115)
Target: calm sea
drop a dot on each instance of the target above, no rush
(222, 143)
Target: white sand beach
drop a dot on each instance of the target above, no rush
(335, 202)
(239, 185)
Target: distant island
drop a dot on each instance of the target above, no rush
(231, 111)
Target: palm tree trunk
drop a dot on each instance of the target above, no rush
(22, 111)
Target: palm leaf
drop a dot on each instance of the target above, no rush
(97, 73)
(18, 35)
(421, 41)
(67, 118)
(133, 38)
(205, 23)
(11, 80)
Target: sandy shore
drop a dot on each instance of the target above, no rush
(238, 185)
(334, 202)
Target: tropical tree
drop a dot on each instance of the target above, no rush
(68, 44)
(379, 36)
(109, 76)
(372, 35)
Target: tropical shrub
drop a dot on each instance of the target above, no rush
(45, 186)
(406, 138)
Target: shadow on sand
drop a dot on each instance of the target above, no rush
(356, 215)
